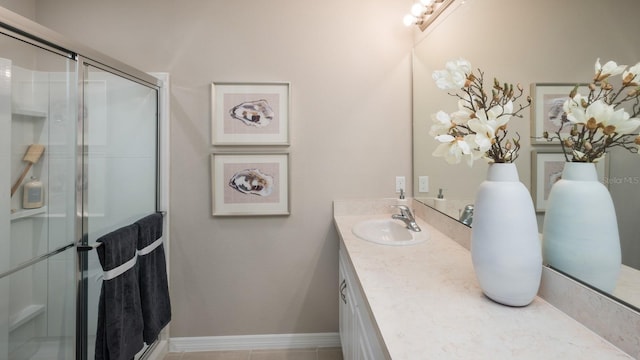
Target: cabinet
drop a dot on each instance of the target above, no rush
(357, 333)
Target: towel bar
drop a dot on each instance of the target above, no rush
(88, 247)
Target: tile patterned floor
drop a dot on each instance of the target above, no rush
(293, 354)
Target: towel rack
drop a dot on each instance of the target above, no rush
(89, 247)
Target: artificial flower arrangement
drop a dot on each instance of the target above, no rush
(478, 129)
(599, 120)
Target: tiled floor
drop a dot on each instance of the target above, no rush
(294, 354)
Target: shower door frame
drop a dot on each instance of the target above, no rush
(82, 226)
(28, 31)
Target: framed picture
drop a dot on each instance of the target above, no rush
(250, 184)
(546, 169)
(547, 110)
(250, 113)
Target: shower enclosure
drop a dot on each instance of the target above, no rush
(97, 120)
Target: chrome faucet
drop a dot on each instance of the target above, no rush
(407, 217)
(467, 215)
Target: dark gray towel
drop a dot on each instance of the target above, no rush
(119, 333)
(154, 287)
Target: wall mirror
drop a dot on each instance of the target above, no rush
(527, 42)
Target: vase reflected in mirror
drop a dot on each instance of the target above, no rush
(580, 231)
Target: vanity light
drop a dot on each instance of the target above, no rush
(417, 9)
(409, 20)
(425, 12)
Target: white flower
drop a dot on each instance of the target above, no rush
(453, 149)
(446, 138)
(574, 102)
(603, 113)
(632, 73)
(578, 155)
(459, 65)
(454, 76)
(575, 111)
(445, 122)
(609, 69)
(463, 114)
(484, 134)
(476, 151)
(442, 124)
(507, 108)
(621, 120)
(597, 110)
(497, 116)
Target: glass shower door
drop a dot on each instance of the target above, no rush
(78, 159)
(38, 88)
(120, 166)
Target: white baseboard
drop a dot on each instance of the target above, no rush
(254, 342)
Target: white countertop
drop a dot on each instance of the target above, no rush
(427, 304)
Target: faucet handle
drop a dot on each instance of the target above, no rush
(404, 210)
(407, 217)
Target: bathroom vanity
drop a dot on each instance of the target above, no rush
(422, 301)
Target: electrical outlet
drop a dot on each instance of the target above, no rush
(423, 184)
(400, 184)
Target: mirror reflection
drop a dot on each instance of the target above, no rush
(535, 44)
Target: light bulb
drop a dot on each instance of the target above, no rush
(417, 9)
(409, 20)
(426, 3)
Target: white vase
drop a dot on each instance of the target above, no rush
(580, 232)
(505, 246)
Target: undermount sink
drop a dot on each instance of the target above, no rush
(388, 232)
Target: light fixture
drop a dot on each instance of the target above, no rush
(417, 9)
(425, 12)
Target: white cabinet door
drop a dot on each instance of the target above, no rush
(358, 337)
(365, 351)
(347, 312)
(369, 345)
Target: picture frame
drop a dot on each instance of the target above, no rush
(546, 109)
(250, 113)
(250, 184)
(546, 169)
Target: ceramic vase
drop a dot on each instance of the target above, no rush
(505, 245)
(580, 231)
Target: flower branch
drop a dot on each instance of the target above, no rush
(478, 129)
(600, 120)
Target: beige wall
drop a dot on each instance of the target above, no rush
(26, 8)
(349, 65)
